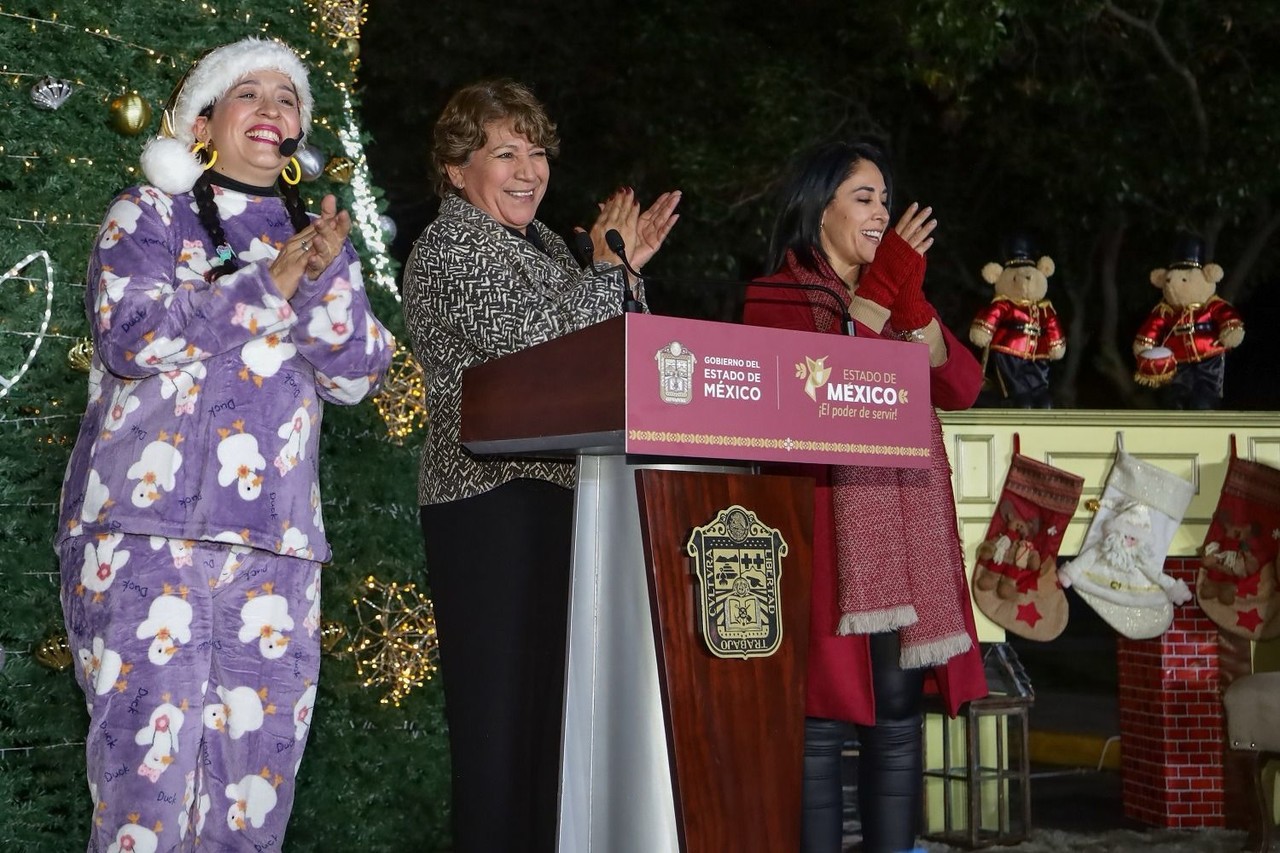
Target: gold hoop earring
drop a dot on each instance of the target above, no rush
(213, 154)
(297, 172)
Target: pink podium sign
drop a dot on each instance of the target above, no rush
(718, 390)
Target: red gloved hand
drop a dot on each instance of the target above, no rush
(911, 311)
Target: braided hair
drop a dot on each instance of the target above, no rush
(207, 210)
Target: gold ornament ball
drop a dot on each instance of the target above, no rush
(130, 114)
(352, 48)
(341, 169)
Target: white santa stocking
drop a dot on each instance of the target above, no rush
(1119, 571)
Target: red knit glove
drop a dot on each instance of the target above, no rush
(911, 311)
(878, 283)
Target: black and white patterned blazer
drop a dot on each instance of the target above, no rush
(473, 291)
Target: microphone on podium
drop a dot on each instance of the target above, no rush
(616, 245)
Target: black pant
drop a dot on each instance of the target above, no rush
(498, 566)
(890, 763)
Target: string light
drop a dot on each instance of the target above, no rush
(402, 402)
(365, 207)
(7, 382)
(395, 643)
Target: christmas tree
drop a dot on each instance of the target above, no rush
(86, 86)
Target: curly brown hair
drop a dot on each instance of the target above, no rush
(461, 129)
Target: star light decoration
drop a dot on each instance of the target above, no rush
(395, 639)
(341, 18)
(402, 402)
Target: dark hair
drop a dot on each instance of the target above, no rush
(810, 186)
(207, 210)
(462, 128)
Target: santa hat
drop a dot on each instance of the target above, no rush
(167, 160)
(1133, 519)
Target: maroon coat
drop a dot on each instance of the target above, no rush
(839, 674)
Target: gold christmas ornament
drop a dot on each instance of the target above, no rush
(395, 641)
(130, 114)
(50, 92)
(341, 169)
(402, 402)
(351, 47)
(331, 634)
(80, 356)
(55, 652)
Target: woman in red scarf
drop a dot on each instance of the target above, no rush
(890, 605)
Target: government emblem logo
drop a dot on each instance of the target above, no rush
(737, 560)
(815, 373)
(675, 373)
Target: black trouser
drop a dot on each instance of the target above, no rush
(890, 770)
(498, 565)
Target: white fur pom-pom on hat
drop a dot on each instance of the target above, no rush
(170, 165)
(167, 160)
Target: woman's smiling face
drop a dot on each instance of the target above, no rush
(248, 124)
(506, 177)
(855, 220)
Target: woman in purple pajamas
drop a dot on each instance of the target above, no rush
(190, 539)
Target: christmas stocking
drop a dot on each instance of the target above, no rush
(1236, 583)
(1015, 582)
(1120, 569)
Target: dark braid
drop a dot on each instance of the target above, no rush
(208, 210)
(294, 204)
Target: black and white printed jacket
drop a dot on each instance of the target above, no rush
(474, 291)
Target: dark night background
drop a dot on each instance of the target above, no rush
(1101, 129)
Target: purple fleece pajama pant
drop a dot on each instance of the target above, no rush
(198, 661)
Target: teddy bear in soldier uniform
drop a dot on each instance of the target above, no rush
(1181, 347)
(1020, 326)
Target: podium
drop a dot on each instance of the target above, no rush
(689, 610)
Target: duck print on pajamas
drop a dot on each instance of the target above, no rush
(123, 402)
(331, 321)
(132, 838)
(160, 736)
(122, 219)
(101, 562)
(179, 549)
(168, 624)
(156, 470)
(192, 815)
(167, 352)
(183, 386)
(240, 710)
(266, 618)
(263, 357)
(241, 462)
(111, 289)
(296, 432)
(102, 667)
(97, 499)
(271, 315)
(252, 799)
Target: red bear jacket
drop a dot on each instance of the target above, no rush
(838, 685)
(1024, 329)
(1193, 333)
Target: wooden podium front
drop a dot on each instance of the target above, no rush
(676, 739)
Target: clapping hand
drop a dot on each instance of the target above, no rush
(642, 233)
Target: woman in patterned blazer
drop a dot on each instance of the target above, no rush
(487, 279)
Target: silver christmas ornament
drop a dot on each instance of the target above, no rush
(388, 226)
(50, 92)
(313, 161)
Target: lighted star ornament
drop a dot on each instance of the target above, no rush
(402, 402)
(395, 643)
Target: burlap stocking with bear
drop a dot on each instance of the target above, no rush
(1015, 579)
